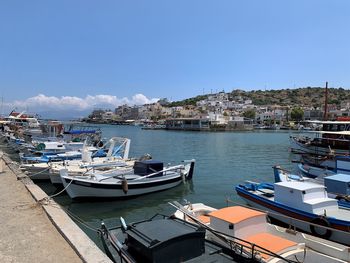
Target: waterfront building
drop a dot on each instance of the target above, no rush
(313, 114)
(108, 116)
(190, 124)
(206, 124)
(240, 123)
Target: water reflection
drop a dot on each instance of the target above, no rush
(223, 160)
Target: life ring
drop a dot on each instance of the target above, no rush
(322, 221)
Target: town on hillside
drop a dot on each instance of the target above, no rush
(237, 110)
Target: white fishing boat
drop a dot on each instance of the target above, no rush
(247, 226)
(338, 164)
(117, 155)
(334, 138)
(145, 177)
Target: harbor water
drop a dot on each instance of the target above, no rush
(223, 160)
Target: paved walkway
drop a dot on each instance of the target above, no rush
(26, 233)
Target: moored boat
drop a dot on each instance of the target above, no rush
(334, 138)
(166, 239)
(251, 225)
(145, 177)
(338, 164)
(306, 205)
(48, 167)
(337, 185)
(117, 157)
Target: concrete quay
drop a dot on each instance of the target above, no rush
(33, 231)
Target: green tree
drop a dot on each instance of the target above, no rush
(250, 114)
(297, 114)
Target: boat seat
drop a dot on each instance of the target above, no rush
(275, 244)
(204, 219)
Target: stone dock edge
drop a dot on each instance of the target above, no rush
(85, 248)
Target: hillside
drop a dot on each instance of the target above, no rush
(309, 96)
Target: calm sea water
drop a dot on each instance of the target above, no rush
(223, 160)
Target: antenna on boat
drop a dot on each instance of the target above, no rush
(326, 103)
(123, 224)
(2, 105)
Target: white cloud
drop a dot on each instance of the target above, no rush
(140, 99)
(42, 102)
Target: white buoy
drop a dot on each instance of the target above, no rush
(86, 156)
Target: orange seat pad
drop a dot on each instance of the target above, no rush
(204, 219)
(270, 242)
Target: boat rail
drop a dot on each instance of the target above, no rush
(177, 167)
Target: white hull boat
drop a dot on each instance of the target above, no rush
(247, 226)
(77, 168)
(120, 184)
(117, 156)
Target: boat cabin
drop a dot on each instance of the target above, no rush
(338, 184)
(238, 221)
(305, 196)
(148, 167)
(251, 226)
(342, 164)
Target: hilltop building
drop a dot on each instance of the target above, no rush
(224, 111)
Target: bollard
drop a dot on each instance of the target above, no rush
(1, 165)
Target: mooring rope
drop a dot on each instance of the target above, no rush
(40, 172)
(73, 216)
(47, 199)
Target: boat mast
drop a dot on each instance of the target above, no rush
(326, 103)
(2, 106)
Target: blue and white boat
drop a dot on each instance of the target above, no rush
(304, 205)
(46, 165)
(59, 151)
(338, 185)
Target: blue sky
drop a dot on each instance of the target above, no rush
(174, 49)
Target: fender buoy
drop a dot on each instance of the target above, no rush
(100, 144)
(41, 146)
(319, 231)
(125, 186)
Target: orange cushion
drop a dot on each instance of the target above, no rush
(270, 242)
(204, 219)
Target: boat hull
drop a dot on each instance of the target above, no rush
(38, 173)
(55, 179)
(85, 189)
(305, 147)
(314, 172)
